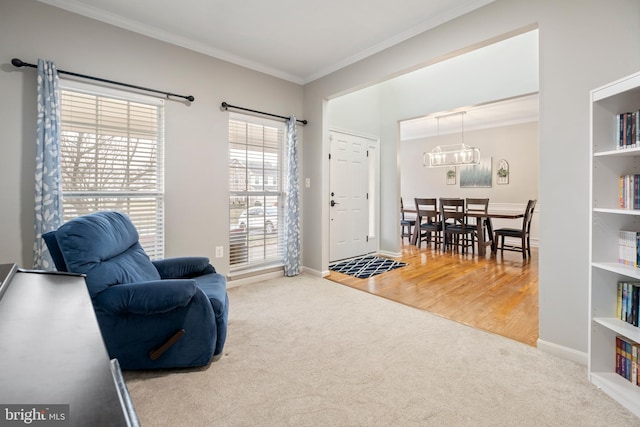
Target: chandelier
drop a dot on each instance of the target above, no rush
(452, 155)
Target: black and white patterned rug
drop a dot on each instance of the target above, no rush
(366, 266)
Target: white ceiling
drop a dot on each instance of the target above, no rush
(523, 109)
(299, 41)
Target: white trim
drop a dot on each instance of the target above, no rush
(99, 89)
(233, 283)
(375, 142)
(314, 272)
(580, 357)
(389, 254)
(257, 266)
(511, 207)
(93, 12)
(358, 134)
(448, 15)
(258, 119)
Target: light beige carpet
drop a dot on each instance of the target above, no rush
(305, 351)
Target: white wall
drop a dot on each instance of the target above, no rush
(357, 112)
(581, 43)
(196, 215)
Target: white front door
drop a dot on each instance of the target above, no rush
(350, 185)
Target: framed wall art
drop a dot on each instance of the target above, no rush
(502, 172)
(477, 175)
(451, 175)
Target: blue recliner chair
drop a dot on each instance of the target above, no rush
(152, 314)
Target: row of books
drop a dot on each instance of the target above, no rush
(629, 248)
(629, 192)
(628, 300)
(627, 129)
(627, 359)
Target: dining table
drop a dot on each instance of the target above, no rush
(484, 220)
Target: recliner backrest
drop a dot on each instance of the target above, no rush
(104, 246)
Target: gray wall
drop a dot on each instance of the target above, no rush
(581, 45)
(518, 144)
(501, 70)
(196, 214)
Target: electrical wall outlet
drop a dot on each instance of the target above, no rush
(219, 252)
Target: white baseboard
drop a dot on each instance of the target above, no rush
(564, 352)
(232, 283)
(389, 254)
(314, 272)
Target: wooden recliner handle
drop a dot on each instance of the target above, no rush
(155, 354)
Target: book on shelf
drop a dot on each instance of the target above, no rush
(629, 248)
(627, 133)
(629, 191)
(627, 359)
(628, 303)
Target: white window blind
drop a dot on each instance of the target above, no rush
(111, 157)
(256, 171)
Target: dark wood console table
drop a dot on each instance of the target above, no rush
(52, 353)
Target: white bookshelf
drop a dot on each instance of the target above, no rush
(606, 219)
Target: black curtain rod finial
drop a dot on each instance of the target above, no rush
(17, 63)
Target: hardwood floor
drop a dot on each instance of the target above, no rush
(498, 294)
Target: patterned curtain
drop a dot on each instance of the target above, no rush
(292, 205)
(48, 194)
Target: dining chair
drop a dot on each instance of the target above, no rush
(406, 224)
(428, 226)
(477, 206)
(524, 234)
(454, 225)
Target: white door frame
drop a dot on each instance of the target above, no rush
(373, 189)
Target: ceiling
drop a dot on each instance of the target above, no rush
(523, 109)
(299, 41)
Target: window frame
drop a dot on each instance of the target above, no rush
(246, 245)
(150, 226)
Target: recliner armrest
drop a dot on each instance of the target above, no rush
(153, 297)
(183, 267)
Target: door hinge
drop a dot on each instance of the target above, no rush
(367, 196)
(367, 239)
(329, 156)
(367, 153)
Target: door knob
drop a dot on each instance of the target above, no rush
(333, 203)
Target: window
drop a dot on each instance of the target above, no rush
(256, 192)
(111, 155)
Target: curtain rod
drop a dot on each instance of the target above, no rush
(18, 63)
(226, 106)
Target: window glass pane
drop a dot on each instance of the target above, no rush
(111, 159)
(256, 193)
